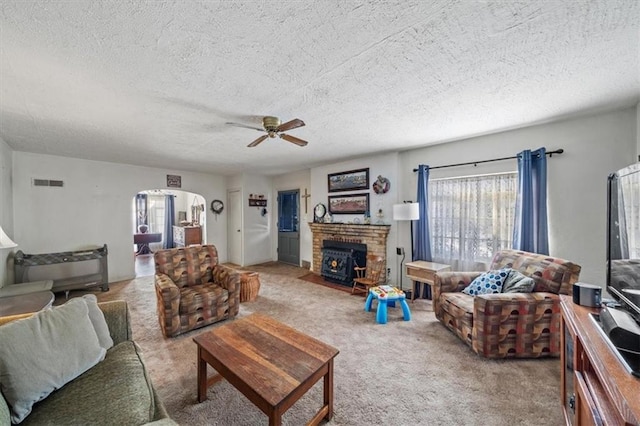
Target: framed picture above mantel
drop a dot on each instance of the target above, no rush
(349, 204)
(351, 180)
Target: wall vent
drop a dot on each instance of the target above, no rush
(48, 182)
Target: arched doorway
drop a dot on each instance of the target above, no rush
(155, 215)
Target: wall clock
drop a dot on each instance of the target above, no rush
(217, 206)
(318, 212)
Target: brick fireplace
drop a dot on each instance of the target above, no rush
(374, 236)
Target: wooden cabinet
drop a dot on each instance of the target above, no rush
(186, 235)
(595, 388)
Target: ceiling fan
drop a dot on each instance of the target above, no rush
(273, 127)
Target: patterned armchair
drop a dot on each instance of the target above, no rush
(508, 325)
(192, 290)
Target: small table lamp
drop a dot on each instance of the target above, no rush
(406, 211)
(5, 241)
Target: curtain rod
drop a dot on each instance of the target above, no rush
(475, 163)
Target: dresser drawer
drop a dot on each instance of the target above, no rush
(186, 235)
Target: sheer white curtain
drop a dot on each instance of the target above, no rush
(156, 217)
(471, 218)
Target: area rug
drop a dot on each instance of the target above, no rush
(317, 279)
(402, 373)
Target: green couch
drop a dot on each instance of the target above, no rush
(116, 391)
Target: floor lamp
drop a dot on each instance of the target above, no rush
(401, 212)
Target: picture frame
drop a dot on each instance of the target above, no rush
(174, 181)
(348, 181)
(349, 204)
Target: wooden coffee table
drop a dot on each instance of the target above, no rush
(272, 364)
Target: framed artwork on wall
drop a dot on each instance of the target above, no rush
(174, 181)
(348, 181)
(349, 204)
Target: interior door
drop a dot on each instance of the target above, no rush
(234, 227)
(288, 229)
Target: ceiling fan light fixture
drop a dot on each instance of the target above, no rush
(273, 127)
(270, 123)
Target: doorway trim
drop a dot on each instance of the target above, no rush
(139, 270)
(235, 230)
(288, 242)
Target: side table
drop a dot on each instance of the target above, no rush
(25, 303)
(249, 286)
(423, 272)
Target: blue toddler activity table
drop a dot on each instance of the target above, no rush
(387, 295)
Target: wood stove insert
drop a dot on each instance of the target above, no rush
(339, 258)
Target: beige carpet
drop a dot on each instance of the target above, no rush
(401, 373)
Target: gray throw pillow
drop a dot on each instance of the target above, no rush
(97, 320)
(42, 353)
(516, 282)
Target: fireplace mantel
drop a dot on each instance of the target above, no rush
(374, 236)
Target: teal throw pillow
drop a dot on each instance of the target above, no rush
(488, 283)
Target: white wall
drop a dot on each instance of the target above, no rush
(594, 147)
(385, 165)
(291, 181)
(181, 203)
(6, 206)
(94, 206)
(6, 189)
(638, 131)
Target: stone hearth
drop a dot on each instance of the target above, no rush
(374, 236)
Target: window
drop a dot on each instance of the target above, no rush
(155, 214)
(471, 218)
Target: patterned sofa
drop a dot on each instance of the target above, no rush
(508, 325)
(193, 290)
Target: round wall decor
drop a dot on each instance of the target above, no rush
(318, 212)
(217, 206)
(381, 185)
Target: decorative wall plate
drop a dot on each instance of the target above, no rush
(318, 212)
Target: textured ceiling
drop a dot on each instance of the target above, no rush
(153, 83)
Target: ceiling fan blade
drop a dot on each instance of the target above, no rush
(257, 141)
(293, 124)
(293, 139)
(245, 126)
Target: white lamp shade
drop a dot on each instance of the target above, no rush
(406, 211)
(5, 241)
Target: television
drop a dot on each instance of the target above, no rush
(621, 323)
(623, 238)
